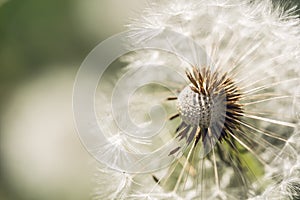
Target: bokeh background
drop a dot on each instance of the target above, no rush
(42, 44)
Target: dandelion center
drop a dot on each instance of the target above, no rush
(209, 105)
(198, 109)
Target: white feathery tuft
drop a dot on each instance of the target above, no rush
(257, 44)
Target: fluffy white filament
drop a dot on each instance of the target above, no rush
(258, 44)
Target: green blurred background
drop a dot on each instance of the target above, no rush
(42, 44)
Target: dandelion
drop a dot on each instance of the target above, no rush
(234, 117)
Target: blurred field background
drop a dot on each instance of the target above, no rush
(42, 44)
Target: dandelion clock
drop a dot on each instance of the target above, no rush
(205, 107)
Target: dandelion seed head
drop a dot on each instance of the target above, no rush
(242, 100)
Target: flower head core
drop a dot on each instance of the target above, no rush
(209, 102)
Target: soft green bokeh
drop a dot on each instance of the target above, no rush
(42, 44)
